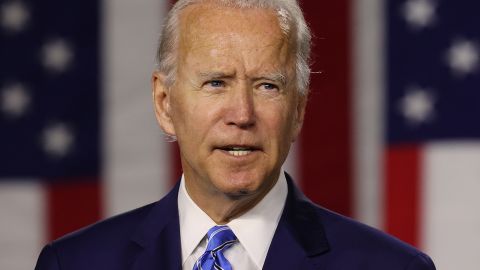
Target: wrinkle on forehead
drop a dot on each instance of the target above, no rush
(194, 15)
(206, 16)
(246, 31)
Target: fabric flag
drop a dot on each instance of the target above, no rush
(78, 139)
(432, 140)
(416, 75)
(389, 136)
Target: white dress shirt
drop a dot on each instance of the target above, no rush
(254, 229)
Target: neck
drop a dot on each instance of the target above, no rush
(222, 208)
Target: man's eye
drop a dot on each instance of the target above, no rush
(216, 83)
(268, 86)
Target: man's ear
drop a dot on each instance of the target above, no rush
(299, 116)
(161, 103)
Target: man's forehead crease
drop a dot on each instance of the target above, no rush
(280, 76)
(228, 45)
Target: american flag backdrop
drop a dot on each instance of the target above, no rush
(432, 132)
(390, 135)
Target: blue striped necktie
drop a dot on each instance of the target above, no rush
(219, 238)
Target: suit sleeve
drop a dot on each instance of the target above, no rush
(48, 259)
(421, 262)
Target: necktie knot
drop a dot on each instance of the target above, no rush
(219, 238)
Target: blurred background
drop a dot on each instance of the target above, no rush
(391, 137)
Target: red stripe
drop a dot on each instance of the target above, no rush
(72, 205)
(403, 176)
(325, 145)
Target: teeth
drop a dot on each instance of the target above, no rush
(239, 153)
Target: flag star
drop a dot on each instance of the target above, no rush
(417, 106)
(419, 13)
(14, 16)
(15, 100)
(57, 140)
(57, 55)
(463, 57)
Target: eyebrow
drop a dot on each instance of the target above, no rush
(215, 75)
(274, 76)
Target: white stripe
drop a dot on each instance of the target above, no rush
(226, 245)
(21, 224)
(368, 87)
(136, 159)
(223, 228)
(451, 201)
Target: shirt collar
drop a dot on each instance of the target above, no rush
(254, 229)
(194, 223)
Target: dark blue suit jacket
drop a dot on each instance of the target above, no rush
(307, 237)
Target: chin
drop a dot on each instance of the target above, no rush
(241, 185)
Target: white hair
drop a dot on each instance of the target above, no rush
(290, 18)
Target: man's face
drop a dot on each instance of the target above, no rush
(234, 107)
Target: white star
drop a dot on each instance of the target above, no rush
(417, 105)
(14, 16)
(419, 13)
(57, 140)
(463, 57)
(15, 100)
(57, 55)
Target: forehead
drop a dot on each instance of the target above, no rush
(202, 17)
(215, 28)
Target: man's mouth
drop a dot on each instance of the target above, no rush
(238, 151)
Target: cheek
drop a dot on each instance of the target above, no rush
(195, 117)
(181, 116)
(278, 123)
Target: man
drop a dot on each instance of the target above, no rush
(231, 88)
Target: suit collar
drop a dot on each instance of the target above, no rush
(157, 240)
(301, 216)
(301, 230)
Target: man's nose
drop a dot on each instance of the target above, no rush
(240, 109)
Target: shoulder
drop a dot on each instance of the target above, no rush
(99, 244)
(111, 243)
(110, 231)
(353, 242)
(345, 243)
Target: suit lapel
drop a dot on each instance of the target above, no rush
(156, 243)
(285, 252)
(300, 238)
